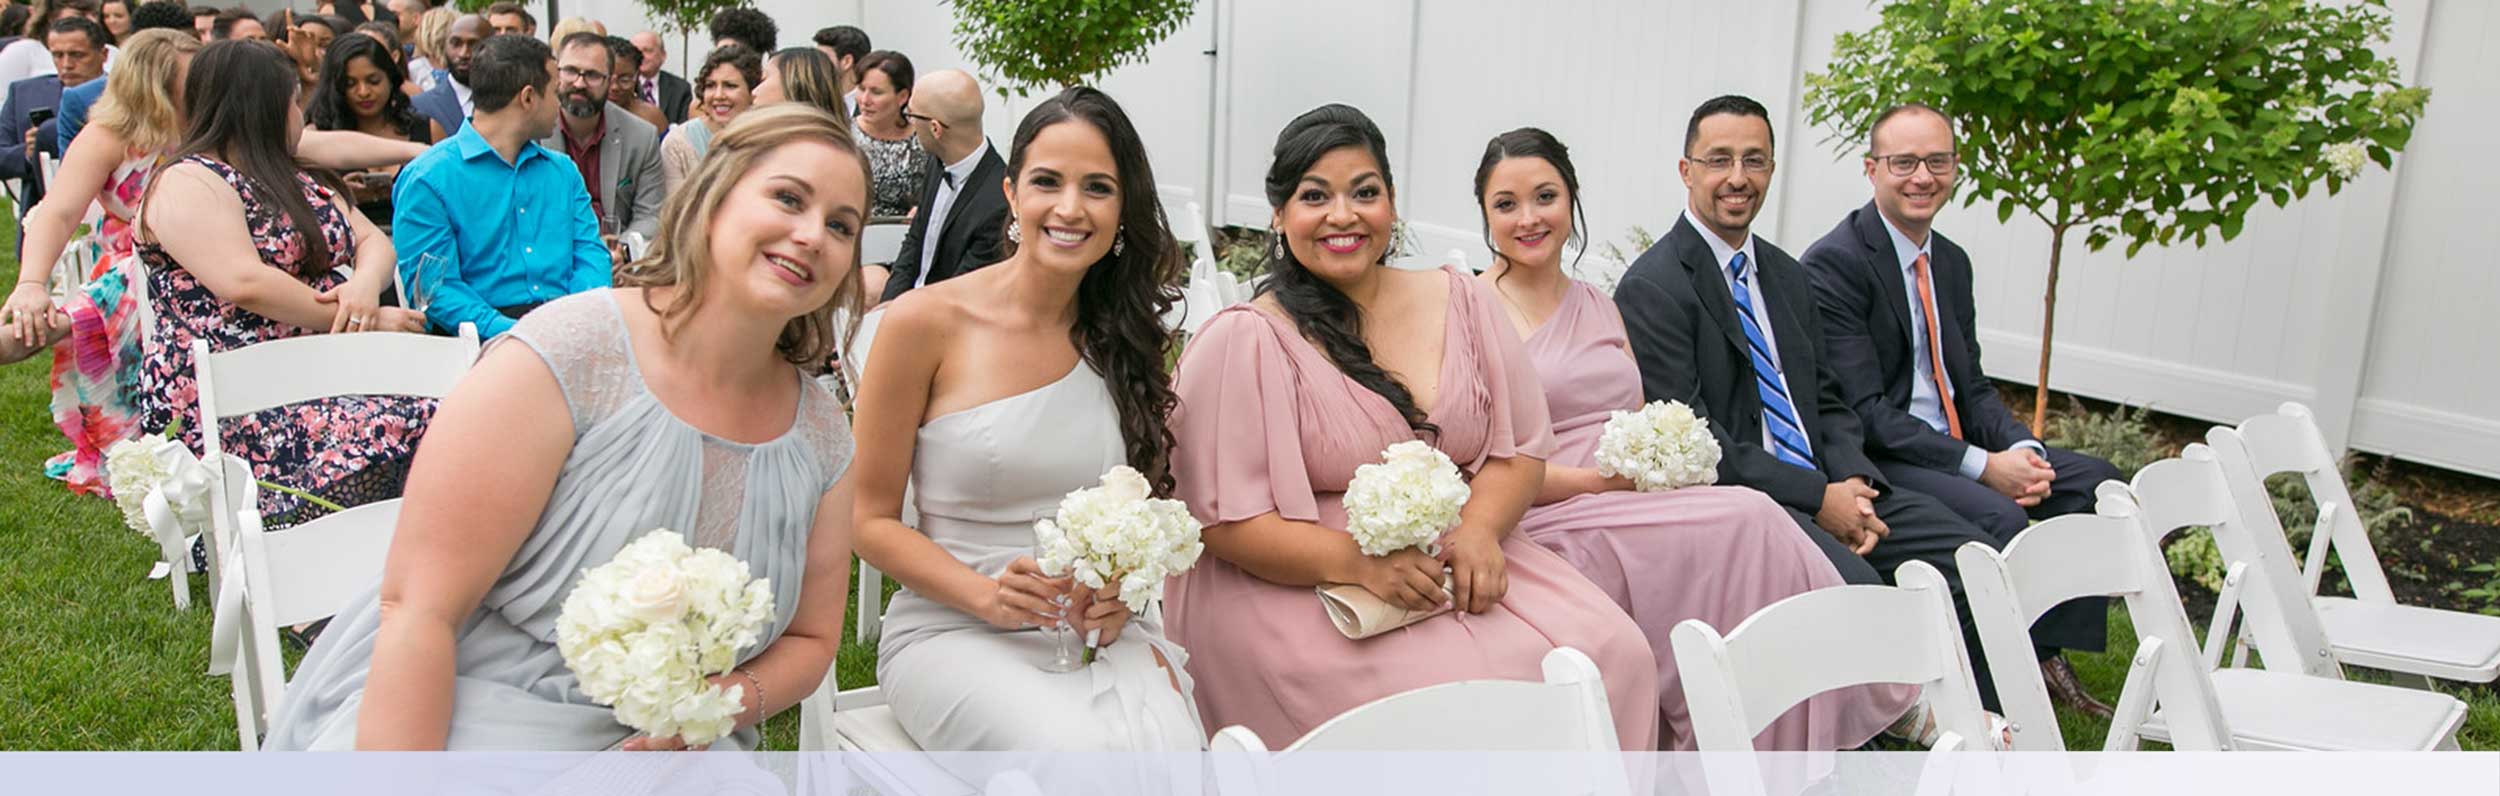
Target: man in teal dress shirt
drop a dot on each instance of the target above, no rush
(489, 225)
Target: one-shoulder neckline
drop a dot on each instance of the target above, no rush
(1080, 366)
(633, 363)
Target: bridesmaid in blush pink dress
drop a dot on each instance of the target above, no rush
(1712, 553)
(1282, 399)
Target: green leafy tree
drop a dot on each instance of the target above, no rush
(678, 16)
(2156, 121)
(1047, 45)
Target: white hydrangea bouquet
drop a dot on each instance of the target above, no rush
(644, 631)
(1117, 532)
(1661, 447)
(1408, 499)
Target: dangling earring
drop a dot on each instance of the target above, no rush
(1118, 243)
(1275, 244)
(1015, 231)
(1397, 241)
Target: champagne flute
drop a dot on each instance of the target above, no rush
(1066, 650)
(420, 290)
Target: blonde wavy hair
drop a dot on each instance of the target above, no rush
(682, 255)
(138, 102)
(432, 29)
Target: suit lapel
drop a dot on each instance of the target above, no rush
(611, 167)
(958, 226)
(1709, 282)
(1887, 267)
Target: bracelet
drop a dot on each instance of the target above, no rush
(758, 684)
(32, 281)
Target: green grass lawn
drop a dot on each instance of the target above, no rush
(98, 659)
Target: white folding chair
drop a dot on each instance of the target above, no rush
(1567, 712)
(879, 244)
(2089, 555)
(2370, 628)
(299, 575)
(2300, 701)
(294, 370)
(1737, 684)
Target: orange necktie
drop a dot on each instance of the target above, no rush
(1935, 347)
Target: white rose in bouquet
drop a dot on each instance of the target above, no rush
(1407, 500)
(643, 632)
(1663, 446)
(1119, 532)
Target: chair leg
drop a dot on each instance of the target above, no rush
(2135, 699)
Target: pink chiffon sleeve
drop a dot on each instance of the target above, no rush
(1517, 421)
(1238, 451)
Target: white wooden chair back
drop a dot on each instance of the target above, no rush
(299, 575)
(298, 369)
(1566, 712)
(2088, 555)
(1735, 685)
(2288, 441)
(880, 244)
(2196, 490)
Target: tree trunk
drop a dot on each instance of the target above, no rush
(2048, 332)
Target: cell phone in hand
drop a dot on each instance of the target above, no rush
(36, 117)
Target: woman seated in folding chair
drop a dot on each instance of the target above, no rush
(675, 400)
(96, 372)
(1338, 358)
(250, 257)
(996, 394)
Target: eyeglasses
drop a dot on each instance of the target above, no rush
(572, 75)
(1902, 165)
(907, 114)
(1754, 164)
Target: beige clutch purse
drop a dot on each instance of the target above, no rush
(1359, 614)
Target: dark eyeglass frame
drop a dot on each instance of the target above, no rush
(1941, 164)
(910, 116)
(585, 76)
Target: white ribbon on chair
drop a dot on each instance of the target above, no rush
(178, 506)
(225, 633)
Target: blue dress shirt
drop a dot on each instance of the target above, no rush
(511, 234)
(75, 102)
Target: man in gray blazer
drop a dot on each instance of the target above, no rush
(617, 153)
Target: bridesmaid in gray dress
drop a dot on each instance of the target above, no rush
(995, 394)
(672, 401)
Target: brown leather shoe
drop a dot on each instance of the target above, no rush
(2065, 690)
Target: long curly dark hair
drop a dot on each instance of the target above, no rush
(1121, 301)
(1319, 310)
(329, 109)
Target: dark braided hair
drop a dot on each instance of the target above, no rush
(1319, 310)
(1121, 301)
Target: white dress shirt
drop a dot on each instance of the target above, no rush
(953, 183)
(1752, 285)
(1925, 403)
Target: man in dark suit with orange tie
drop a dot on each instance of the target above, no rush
(1899, 324)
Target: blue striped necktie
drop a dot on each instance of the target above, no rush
(1788, 438)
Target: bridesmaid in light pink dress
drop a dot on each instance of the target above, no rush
(1712, 553)
(1271, 428)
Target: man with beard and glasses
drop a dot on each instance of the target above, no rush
(618, 155)
(449, 103)
(1726, 323)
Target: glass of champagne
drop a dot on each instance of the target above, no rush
(1066, 649)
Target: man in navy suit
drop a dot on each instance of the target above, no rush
(77, 46)
(1899, 323)
(448, 103)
